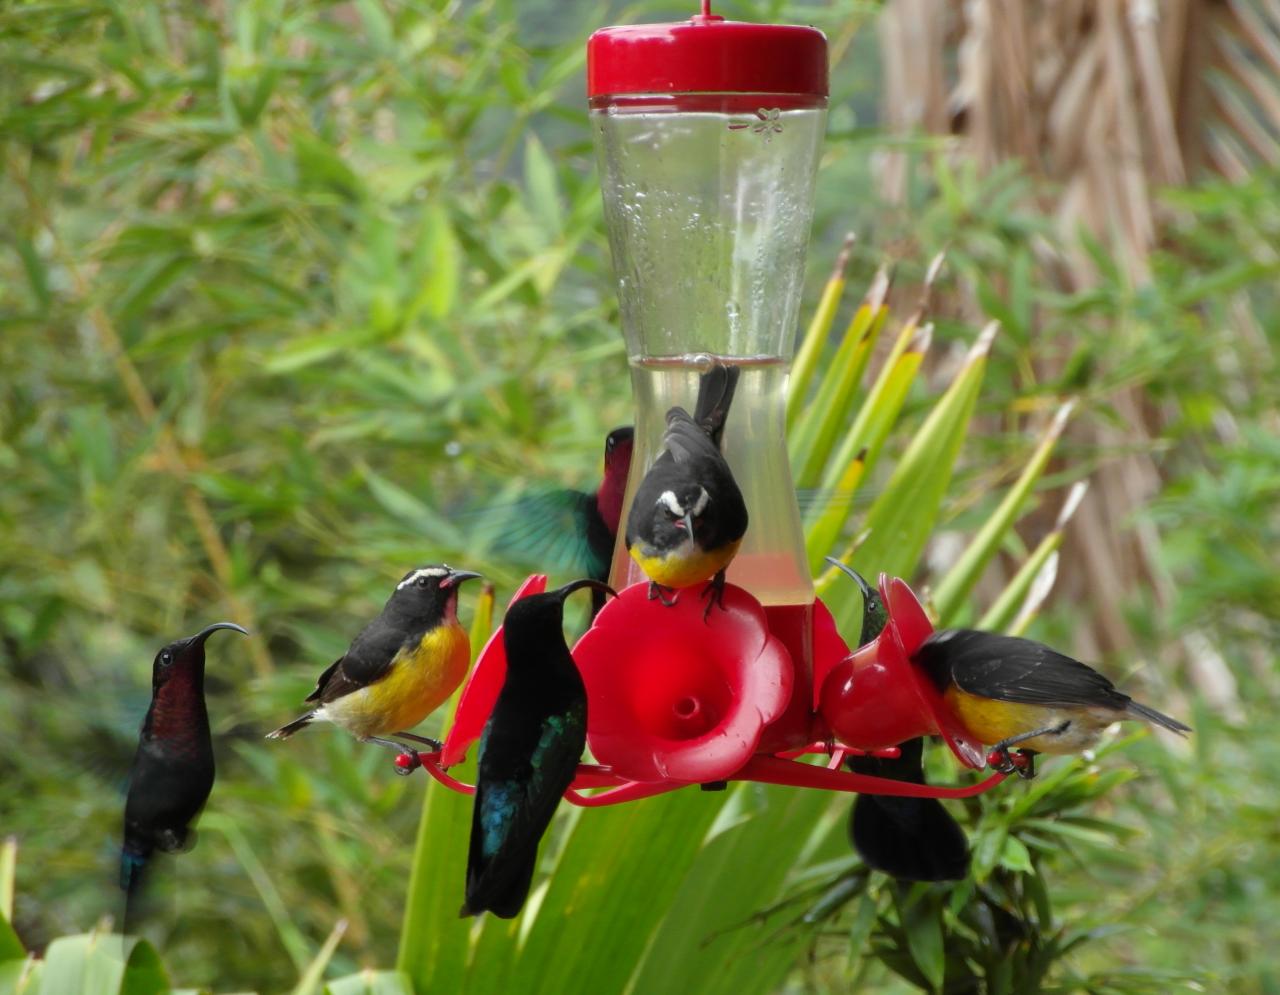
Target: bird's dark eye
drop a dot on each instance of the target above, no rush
(423, 581)
(166, 658)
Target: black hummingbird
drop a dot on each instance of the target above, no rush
(528, 755)
(911, 839)
(172, 771)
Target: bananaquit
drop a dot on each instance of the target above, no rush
(1009, 691)
(688, 517)
(402, 667)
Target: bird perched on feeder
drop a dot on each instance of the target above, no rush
(911, 839)
(688, 517)
(570, 529)
(400, 668)
(173, 769)
(529, 752)
(1010, 692)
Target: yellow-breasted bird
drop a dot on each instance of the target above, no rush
(402, 666)
(1009, 691)
(688, 517)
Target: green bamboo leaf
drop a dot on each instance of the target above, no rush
(864, 920)
(922, 922)
(710, 925)
(433, 937)
(378, 27)
(439, 259)
(866, 437)
(102, 964)
(408, 508)
(21, 977)
(612, 852)
(1017, 592)
(883, 403)
(901, 518)
(309, 983)
(8, 875)
(10, 946)
(815, 336)
(831, 407)
(370, 982)
(544, 189)
(481, 620)
(955, 587)
(821, 536)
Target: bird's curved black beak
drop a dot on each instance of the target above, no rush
(578, 585)
(848, 571)
(208, 630)
(456, 577)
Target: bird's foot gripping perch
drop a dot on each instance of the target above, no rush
(714, 593)
(1023, 763)
(660, 592)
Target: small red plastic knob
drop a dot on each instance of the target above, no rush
(407, 763)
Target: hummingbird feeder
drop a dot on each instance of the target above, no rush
(708, 134)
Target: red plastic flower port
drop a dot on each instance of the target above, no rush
(674, 696)
(877, 697)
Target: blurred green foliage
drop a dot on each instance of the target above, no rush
(289, 289)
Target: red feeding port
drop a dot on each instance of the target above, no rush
(676, 695)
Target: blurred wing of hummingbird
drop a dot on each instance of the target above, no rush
(563, 531)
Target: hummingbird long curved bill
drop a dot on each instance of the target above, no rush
(401, 667)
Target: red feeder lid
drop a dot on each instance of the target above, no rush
(707, 54)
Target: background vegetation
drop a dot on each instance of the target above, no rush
(289, 289)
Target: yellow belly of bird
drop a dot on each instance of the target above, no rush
(991, 721)
(684, 566)
(418, 682)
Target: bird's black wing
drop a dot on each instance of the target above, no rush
(685, 441)
(1008, 668)
(367, 661)
(323, 680)
(514, 805)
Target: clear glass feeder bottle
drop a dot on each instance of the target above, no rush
(708, 135)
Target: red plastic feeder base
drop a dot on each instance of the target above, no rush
(676, 699)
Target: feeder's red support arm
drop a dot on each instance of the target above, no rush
(766, 770)
(628, 792)
(774, 770)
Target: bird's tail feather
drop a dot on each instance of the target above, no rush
(133, 864)
(503, 893)
(1159, 718)
(715, 394)
(285, 731)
